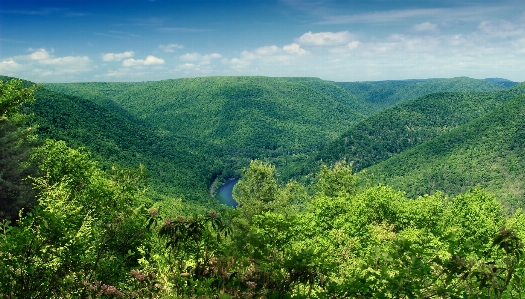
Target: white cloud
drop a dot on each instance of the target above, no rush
(170, 48)
(117, 56)
(325, 38)
(269, 51)
(425, 27)
(266, 50)
(42, 65)
(68, 64)
(464, 13)
(61, 65)
(353, 44)
(150, 60)
(39, 54)
(200, 59)
(191, 57)
(10, 67)
(266, 58)
(294, 49)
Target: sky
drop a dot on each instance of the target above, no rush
(148, 40)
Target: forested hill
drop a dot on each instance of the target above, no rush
(117, 138)
(406, 125)
(488, 151)
(384, 94)
(188, 132)
(243, 117)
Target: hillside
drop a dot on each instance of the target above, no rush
(235, 119)
(113, 138)
(487, 152)
(384, 94)
(406, 125)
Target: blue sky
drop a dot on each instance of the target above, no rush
(146, 40)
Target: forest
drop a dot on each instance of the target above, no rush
(389, 189)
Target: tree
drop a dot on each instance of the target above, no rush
(257, 189)
(16, 141)
(83, 233)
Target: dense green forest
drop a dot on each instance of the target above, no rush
(346, 190)
(118, 138)
(489, 152)
(258, 114)
(406, 125)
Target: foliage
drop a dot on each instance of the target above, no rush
(84, 229)
(95, 231)
(174, 170)
(400, 128)
(16, 141)
(486, 152)
(233, 119)
(90, 236)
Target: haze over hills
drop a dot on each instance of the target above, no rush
(383, 94)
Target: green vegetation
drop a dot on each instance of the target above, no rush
(384, 94)
(120, 139)
(487, 152)
(119, 186)
(16, 142)
(235, 119)
(411, 123)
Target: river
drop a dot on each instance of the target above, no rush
(224, 193)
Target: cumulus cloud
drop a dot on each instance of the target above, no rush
(274, 51)
(10, 67)
(41, 64)
(294, 49)
(170, 48)
(191, 57)
(66, 64)
(325, 38)
(353, 44)
(150, 60)
(39, 54)
(117, 56)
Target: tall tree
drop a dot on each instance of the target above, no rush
(16, 141)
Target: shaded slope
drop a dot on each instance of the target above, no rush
(488, 152)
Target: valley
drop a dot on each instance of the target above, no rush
(263, 187)
(288, 122)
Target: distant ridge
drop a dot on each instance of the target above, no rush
(384, 94)
(502, 82)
